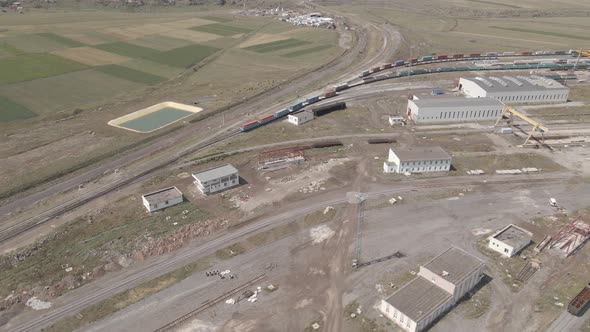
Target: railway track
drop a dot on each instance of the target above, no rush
(209, 303)
(24, 225)
(179, 259)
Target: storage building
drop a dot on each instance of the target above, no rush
(417, 160)
(216, 179)
(162, 199)
(510, 240)
(440, 284)
(515, 90)
(395, 120)
(453, 109)
(300, 117)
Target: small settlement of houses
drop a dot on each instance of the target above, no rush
(440, 284)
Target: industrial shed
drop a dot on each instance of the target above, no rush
(162, 199)
(216, 179)
(515, 90)
(440, 284)
(417, 160)
(453, 109)
(510, 240)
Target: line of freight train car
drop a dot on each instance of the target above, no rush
(331, 93)
(552, 66)
(438, 58)
(293, 108)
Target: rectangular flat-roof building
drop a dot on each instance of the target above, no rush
(510, 240)
(445, 109)
(216, 179)
(531, 89)
(300, 117)
(162, 199)
(417, 160)
(440, 284)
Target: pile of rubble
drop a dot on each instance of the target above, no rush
(315, 20)
(313, 187)
(525, 170)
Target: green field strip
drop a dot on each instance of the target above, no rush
(545, 33)
(156, 119)
(496, 4)
(60, 39)
(183, 57)
(277, 45)
(11, 111)
(33, 43)
(152, 67)
(216, 18)
(307, 51)
(130, 74)
(160, 43)
(32, 66)
(220, 29)
(127, 49)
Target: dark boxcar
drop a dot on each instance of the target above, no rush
(323, 110)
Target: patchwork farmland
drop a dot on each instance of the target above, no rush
(79, 70)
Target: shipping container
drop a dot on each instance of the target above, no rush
(341, 87)
(281, 113)
(296, 106)
(375, 69)
(399, 63)
(329, 93)
(491, 54)
(368, 79)
(312, 100)
(457, 56)
(508, 53)
(381, 77)
(386, 66)
(580, 302)
(560, 52)
(323, 110)
(249, 125)
(526, 53)
(365, 73)
(538, 53)
(426, 58)
(413, 60)
(474, 55)
(435, 92)
(440, 56)
(266, 118)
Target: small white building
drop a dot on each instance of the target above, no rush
(162, 199)
(300, 117)
(510, 240)
(440, 284)
(216, 179)
(395, 120)
(448, 109)
(417, 160)
(515, 90)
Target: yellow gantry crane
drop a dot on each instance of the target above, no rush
(511, 112)
(585, 53)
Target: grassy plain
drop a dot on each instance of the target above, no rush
(31, 66)
(220, 29)
(11, 111)
(131, 74)
(276, 45)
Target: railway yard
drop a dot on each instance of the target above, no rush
(293, 174)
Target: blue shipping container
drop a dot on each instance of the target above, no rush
(281, 113)
(296, 106)
(426, 58)
(312, 99)
(399, 63)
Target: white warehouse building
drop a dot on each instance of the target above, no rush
(440, 284)
(216, 179)
(453, 109)
(162, 199)
(417, 160)
(515, 90)
(510, 240)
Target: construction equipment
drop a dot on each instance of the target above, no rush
(511, 112)
(397, 254)
(585, 53)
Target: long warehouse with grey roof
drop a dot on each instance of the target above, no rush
(453, 109)
(440, 284)
(531, 89)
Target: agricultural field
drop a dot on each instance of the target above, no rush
(79, 70)
(478, 26)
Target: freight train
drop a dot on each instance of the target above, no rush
(367, 77)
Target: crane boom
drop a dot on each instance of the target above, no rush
(537, 126)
